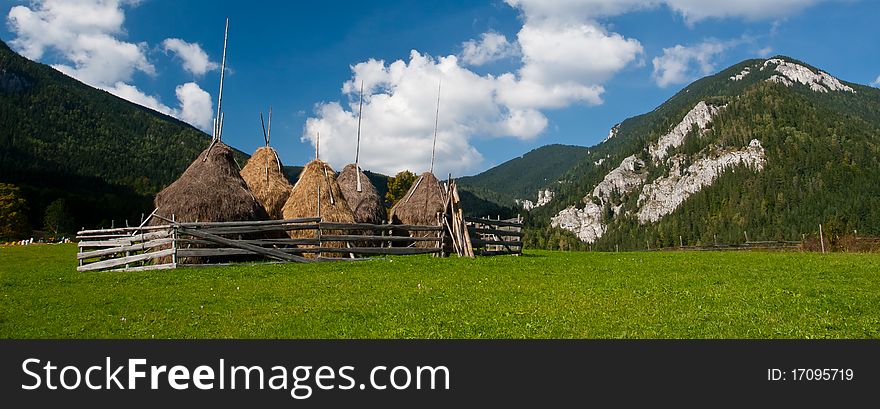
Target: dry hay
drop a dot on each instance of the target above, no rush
(421, 206)
(366, 205)
(209, 190)
(318, 176)
(264, 177)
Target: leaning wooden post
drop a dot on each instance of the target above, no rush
(821, 239)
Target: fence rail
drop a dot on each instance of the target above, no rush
(174, 244)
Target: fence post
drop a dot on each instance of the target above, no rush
(442, 243)
(821, 238)
(174, 240)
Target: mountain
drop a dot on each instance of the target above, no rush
(518, 181)
(766, 149)
(106, 157)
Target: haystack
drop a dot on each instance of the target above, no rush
(421, 206)
(366, 205)
(209, 190)
(304, 198)
(267, 182)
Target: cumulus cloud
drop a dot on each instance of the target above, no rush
(566, 64)
(696, 10)
(84, 33)
(195, 103)
(490, 47)
(398, 116)
(84, 36)
(680, 64)
(563, 61)
(692, 10)
(195, 60)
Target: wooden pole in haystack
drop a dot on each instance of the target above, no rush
(219, 121)
(357, 154)
(436, 122)
(266, 139)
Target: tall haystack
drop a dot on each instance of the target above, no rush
(366, 204)
(265, 179)
(210, 190)
(305, 201)
(421, 205)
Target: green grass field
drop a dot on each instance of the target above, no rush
(539, 295)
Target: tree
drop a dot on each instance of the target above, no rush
(13, 213)
(58, 220)
(398, 186)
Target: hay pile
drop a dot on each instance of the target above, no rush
(366, 205)
(264, 177)
(209, 190)
(303, 202)
(421, 205)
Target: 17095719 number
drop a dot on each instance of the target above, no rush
(810, 374)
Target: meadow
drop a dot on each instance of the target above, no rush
(539, 295)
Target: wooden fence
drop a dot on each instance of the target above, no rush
(173, 244)
(495, 237)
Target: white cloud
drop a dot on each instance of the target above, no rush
(876, 82)
(765, 52)
(84, 36)
(696, 10)
(576, 10)
(566, 64)
(491, 47)
(195, 105)
(83, 33)
(692, 10)
(680, 64)
(398, 117)
(195, 60)
(563, 61)
(133, 94)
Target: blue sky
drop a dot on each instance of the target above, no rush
(516, 74)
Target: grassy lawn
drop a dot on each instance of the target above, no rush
(539, 295)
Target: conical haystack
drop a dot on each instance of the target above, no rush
(267, 182)
(209, 190)
(421, 206)
(366, 205)
(318, 176)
